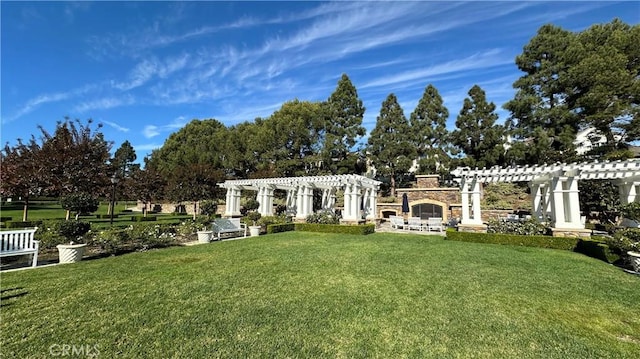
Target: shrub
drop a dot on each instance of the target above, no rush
(187, 228)
(253, 217)
(323, 217)
(624, 240)
(151, 235)
(281, 227)
(112, 240)
(20, 224)
(251, 205)
(48, 234)
(4, 219)
(529, 227)
(143, 218)
(266, 221)
(516, 240)
(106, 216)
(596, 247)
(208, 208)
(74, 231)
(631, 211)
(336, 228)
(79, 203)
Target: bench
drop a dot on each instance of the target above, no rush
(414, 223)
(19, 242)
(434, 223)
(227, 225)
(397, 222)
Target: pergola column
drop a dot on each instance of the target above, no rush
(265, 198)
(356, 202)
(565, 203)
(464, 191)
(475, 197)
(472, 217)
(536, 200)
(291, 202)
(346, 213)
(308, 200)
(232, 203)
(629, 192)
(300, 205)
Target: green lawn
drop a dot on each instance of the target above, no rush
(319, 295)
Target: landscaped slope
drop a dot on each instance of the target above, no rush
(317, 295)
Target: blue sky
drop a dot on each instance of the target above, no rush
(145, 69)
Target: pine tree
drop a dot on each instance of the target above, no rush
(388, 146)
(477, 135)
(428, 134)
(343, 114)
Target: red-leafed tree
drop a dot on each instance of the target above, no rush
(22, 172)
(194, 182)
(145, 185)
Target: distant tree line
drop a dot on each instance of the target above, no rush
(570, 82)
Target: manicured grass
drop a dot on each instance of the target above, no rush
(306, 295)
(43, 210)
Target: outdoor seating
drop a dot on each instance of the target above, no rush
(434, 223)
(19, 242)
(415, 223)
(397, 222)
(228, 225)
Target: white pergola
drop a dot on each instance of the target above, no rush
(554, 188)
(359, 192)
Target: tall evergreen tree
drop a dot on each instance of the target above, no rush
(477, 134)
(388, 146)
(343, 113)
(428, 134)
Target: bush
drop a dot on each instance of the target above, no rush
(79, 203)
(20, 224)
(208, 207)
(281, 227)
(624, 240)
(631, 211)
(106, 216)
(251, 205)
(253, 217)
(48, 234)
(4, 219)
(529, 227)
(596, 247)
(143, 218)
(112, 240)
(151, 235)
(323, 217)
(74, 230)
(266, 221)
(515, 240)
(336, 228)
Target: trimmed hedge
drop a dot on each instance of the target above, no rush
(105, 216)
(4, 219)
(598, 249)
(322, 228)
(20, 224)
(515, 240)
(143, 219)
(336, 228)
(282, 227)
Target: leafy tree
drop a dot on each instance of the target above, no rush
(428, 134)
(146, 185)
(199, 142)
(123, 159)
(540, 102)
(79, 203)
(388, 146)
(194, 182)
(574, 81)
(602, 80)
(77, 159)
(290, 138)
(343, 113)
(477, 135)
(22, 172)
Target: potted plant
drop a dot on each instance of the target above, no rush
(74, 232)
(252, 215)
(208, 210)
(630, 235)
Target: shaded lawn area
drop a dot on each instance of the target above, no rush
(321, 295)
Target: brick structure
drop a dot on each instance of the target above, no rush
(425, 195)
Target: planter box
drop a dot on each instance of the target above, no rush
(204, 236)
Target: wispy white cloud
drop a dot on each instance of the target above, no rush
(115, 126)
(34, 103)
(104, 103)
(151, 131)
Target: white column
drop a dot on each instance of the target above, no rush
(356, 202)
(300, 208)
(464, 191)
(629, 192)
(557, 202)
(372, 204)
(346, 213)
(291, 202)
(309, 200)
(228, 204)
(475, 196)
(268, 199)
(332, 199)
(235, 200)
(260, 199)
(536, 200)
